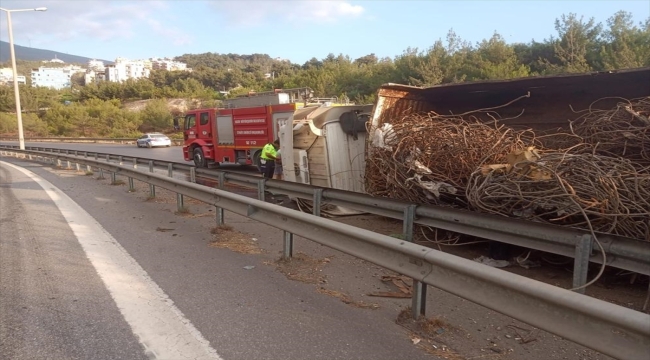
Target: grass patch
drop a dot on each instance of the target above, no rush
(89, 173)
(302, 268)
(183, 211)
(117, 182)
(225, 237)
(220, 229)
(426, 333)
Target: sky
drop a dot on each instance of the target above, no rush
(297, 30)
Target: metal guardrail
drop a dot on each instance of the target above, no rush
(623, 253)
(175, 142)
(610, 329)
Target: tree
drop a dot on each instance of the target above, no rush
(156, 116)
(494, 59)
(577, 45)
(625, 45)
(78, 80)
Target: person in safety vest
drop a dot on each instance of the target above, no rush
(269, 154)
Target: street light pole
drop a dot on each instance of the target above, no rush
(19, 115)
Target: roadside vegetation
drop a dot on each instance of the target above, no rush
(102, 110)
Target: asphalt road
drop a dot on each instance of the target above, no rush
(73, 276)
(240, 313)
(52, 303)
(174, 153)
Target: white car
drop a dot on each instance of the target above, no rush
(153, 139)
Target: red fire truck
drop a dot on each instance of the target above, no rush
(236, 133)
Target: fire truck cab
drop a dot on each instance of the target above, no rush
(236, 133)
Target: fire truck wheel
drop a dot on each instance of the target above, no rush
(199, 159)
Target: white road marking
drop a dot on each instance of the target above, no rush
(158, 324)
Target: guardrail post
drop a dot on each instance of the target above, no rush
(409, 217)
(180, 204)
(152, 187)
(78, 166)
(30, 156)
(101, 174)
(135, 163)
(89, 169)
(113, 177)
(119, 159)
(419, 296)
(69, 165)
(108, 158)
(287, 252)
(220, 211)
(85, 154)
(193, 175)
(76, 153)
(131, 185)
(581, 262)
(419, 299)
(318, 197)
(179, 197)
(261, 185)
(96, 156)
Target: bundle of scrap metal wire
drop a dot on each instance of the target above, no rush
(622, 131)
(430, 157)
(577, 188)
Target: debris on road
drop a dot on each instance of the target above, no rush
(346, 299)
(403, 283)
(227, 238)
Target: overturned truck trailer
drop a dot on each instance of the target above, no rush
(551, 103)
(460, 129)
(326, 145)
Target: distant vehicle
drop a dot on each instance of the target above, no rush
(153, 139)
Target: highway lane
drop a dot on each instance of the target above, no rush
(174, 153)
(52, 303)
(243, 314)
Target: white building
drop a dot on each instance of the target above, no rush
(93, 76)
(55, 60)
(96, 65)
(124, 69)
(168, 64)
(7, 77)
(56, 78)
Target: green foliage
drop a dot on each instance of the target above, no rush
(156, 116)
(32, 124)
(579, 45)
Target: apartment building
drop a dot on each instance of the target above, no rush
(7, 77)
(55, 78)
(124, 69)
(168, 64)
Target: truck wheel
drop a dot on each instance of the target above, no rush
(256, 160)
(199, 159)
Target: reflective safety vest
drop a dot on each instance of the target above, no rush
(269, 150)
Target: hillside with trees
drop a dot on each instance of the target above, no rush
(579, 45)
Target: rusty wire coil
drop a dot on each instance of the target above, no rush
(622, 131)
(575, 188)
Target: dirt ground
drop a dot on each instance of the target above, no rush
(455, 329)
